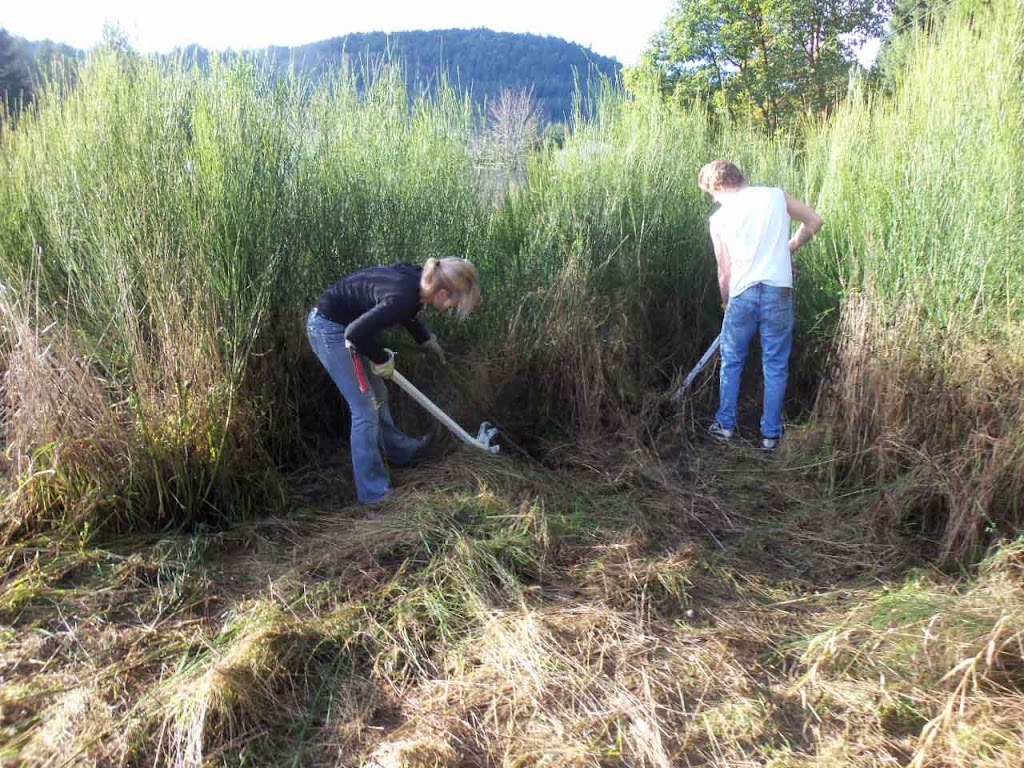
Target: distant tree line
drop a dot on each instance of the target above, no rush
(15, 74)
(770, 61)
(480, 61)
(23, 63)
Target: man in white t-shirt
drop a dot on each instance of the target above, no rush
(753, 247)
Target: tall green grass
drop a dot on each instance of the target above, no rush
(164, 231)
(922, 197)
(599, 262)
(167, 228)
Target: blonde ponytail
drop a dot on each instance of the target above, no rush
(429, 269)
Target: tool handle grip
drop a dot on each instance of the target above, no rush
(357, 363)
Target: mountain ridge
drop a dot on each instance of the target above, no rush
(479, 60)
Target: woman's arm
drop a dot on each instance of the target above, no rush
(362, 332)
(418, 329)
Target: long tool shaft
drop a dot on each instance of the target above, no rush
(698, 367)
(481, 441)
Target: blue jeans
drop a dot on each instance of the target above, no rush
(768, 310)
(372, 425)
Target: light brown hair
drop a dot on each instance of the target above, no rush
(720, 174)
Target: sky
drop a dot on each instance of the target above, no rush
(616, 30)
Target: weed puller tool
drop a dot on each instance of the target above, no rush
(679, 393)
(484, 435)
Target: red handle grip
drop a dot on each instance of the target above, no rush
(357, 363)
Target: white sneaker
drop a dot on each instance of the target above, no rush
(769, 443)
(718, 431)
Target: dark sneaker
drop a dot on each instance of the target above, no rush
(716, 430)
(428, 444)
(769, 443)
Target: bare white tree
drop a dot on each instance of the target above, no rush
(513, 129)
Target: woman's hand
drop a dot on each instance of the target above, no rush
(386, 369)
(432, 347)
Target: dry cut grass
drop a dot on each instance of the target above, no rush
(498, 613)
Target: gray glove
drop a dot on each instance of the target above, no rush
(385, 369)
(431, 346)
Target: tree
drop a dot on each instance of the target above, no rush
(513, 130)
(914, 14)
(910, 20)
(15, 77)
(766, 59)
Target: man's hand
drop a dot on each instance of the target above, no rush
(432, 347)
(386, 369)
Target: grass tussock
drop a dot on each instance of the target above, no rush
(71, 436)
(599, 681)
(960, 483)
(256, 683)
(933, 667)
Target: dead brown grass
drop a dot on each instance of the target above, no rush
(720, 610)
(934, 425)
(94, 449)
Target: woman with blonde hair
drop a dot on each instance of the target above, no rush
(343, 327)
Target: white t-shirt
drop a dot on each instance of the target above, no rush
(754, 225)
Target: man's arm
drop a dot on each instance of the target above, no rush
(722, 257)
(810, 222)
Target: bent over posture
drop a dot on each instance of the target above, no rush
(343, 329)
(753, 247)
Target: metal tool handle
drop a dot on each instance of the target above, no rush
(482, 441)
(698, 367)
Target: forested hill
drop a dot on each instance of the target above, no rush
(480, 61)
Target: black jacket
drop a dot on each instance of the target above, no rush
(368, 301)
